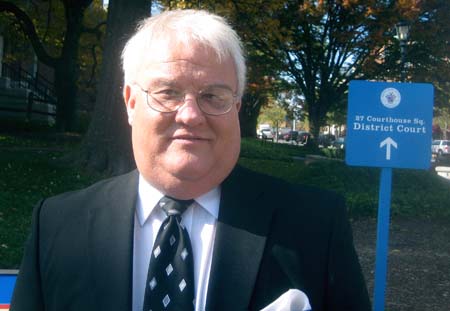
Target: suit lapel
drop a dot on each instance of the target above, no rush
(241, 231)
(110, 248)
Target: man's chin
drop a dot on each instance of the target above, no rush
(190, 171)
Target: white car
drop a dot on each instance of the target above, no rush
(267, 134)
(440, 147)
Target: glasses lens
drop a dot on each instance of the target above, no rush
(165, 100)
(215, 100)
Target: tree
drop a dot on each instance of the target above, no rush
(106, 146)
(272, 114)
(427, 53)
(427, 48)
(263, 73)
(322, 45)
(66, 64)
(91, 50)
(260, 88)
(317, 45)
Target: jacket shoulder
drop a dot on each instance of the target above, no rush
(100, 190)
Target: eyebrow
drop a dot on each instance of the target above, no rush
(163, 82)
(172, 83)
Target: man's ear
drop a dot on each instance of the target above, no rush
(239, 105)
(130, 102)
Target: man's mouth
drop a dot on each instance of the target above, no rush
(188, 137)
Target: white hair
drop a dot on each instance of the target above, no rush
(184, 26)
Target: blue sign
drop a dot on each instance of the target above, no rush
(7, 282)
(389, 124)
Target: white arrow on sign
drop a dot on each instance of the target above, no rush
(388, 142)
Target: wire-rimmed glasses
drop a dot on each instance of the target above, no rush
(213, 100)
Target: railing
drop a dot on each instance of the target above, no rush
(20, 78)
(26, 97)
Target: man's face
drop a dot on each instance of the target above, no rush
(184, 153)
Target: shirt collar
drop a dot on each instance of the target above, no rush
(149, 196)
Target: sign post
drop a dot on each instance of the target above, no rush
(384, 204)
(388, 126)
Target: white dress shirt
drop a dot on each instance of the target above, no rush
(200, 221)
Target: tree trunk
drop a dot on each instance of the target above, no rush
(248, 116)
(106, 147)
(66, 70)
(66, 94)
(314, 117)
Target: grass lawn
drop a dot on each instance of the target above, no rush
(414, 192)
(30, 170)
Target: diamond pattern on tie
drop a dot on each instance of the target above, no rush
(172, 240)
(184, 254)
(170, 284)
(169, 269)
(166, 301)
(152, 283)
(157, 251)
(182, 285)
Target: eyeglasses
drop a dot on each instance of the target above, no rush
(213, 100)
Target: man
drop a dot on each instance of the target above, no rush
(254, 238)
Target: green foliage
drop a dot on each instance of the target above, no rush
(357, 185)
(259, 149)
(420, 191)
(334, 153)
(49, 22)
(427, 57)
(272, 114)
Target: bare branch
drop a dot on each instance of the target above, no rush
(30, 31)
(95, 30)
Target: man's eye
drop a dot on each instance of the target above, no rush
(211, 96)
(167, 94)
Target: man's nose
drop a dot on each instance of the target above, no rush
(190, 113)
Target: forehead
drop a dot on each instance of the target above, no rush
(168, 50)
(194, 61)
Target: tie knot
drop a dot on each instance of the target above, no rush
(173, 206)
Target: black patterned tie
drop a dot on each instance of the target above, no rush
(170, 279)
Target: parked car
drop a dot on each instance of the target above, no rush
(440, 147)
(303, 137)
(267, 134)
(291, 135)
(326, 140)
(282, 131)
(339, 143)
(261, 128)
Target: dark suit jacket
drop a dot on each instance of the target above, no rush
(271, 236)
